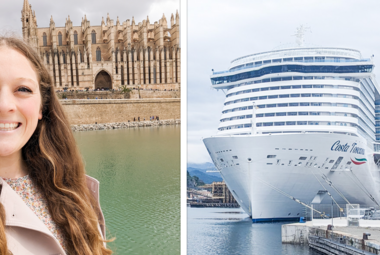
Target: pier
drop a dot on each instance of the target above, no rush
(341, 238)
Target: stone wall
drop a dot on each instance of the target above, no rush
(134, 94)
(91, 111)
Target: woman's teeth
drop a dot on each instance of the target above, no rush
(8, 126)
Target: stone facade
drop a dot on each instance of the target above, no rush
(89, 111)
(110, 55)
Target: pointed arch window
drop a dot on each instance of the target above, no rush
(44, 39)
(64, 57)
(98, 55)
(93, 36)
(75, 38)
(60, 39)
(47, 58)
(81, 56)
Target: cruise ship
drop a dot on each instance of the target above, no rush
(298, 123)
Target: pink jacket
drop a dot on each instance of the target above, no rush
(26, 234)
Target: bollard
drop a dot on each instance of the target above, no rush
(366, 235)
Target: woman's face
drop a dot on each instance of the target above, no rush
(20, 101)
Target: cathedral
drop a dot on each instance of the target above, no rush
(108, 56)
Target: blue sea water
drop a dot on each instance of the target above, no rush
(230, 231)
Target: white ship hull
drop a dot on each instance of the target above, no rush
(263, 184)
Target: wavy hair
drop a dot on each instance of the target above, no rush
(56, 168)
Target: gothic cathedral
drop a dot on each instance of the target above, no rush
(107, 56)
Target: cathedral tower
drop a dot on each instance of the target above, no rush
(29, 25)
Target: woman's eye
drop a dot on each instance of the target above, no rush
(24, 89)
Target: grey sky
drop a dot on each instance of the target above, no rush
(10, 11)
(220, 31)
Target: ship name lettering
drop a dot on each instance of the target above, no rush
(357, 150)
(340, 147)
(337, 146)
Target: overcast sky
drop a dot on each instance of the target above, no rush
(220, 31)
(10, 11)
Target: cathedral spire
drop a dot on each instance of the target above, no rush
(147, 20)
(26, 6)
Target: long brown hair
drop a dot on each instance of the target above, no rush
(56, 168)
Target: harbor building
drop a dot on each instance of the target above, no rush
(106, 56)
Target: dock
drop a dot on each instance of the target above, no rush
(339, 239)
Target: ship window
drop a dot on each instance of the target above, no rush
(235, 157)
(293, 104)
(303, 158)
(269, 114)
(305, 95)
(249, 159)
(285, 87)
(295, 95)
(331, 161)
(279, 123)
(276, 61)
(297, 77)
(284, 96)
(221, 160)
(274, 96)
(282, 105)
(264, 89)
(269, 163)
(259, 115)
(307, 86)
(304, 104)
(349, 163)
(281, 114)
(266, 61)
(237, 164)
(335, 166)
(274, 88)
(266, 124)
(301, 122)
(262, 97)
(290, 123)
(271, 156)
(276, 148)
(303, 113)
(271, 105)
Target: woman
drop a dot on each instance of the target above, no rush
(47, 204)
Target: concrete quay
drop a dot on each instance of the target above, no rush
(341, 239)
(122, 125)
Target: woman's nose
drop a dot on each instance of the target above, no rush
(7, 101)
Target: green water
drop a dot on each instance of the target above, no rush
(139, 174)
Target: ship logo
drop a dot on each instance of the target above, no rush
(359, 161)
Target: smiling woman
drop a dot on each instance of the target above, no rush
(47, 203)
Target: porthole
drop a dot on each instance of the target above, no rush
(249, 159)
(302, 158)
(271, 156)
(331, 161)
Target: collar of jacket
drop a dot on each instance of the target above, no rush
(18, 214)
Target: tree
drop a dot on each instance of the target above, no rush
(126, 91)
